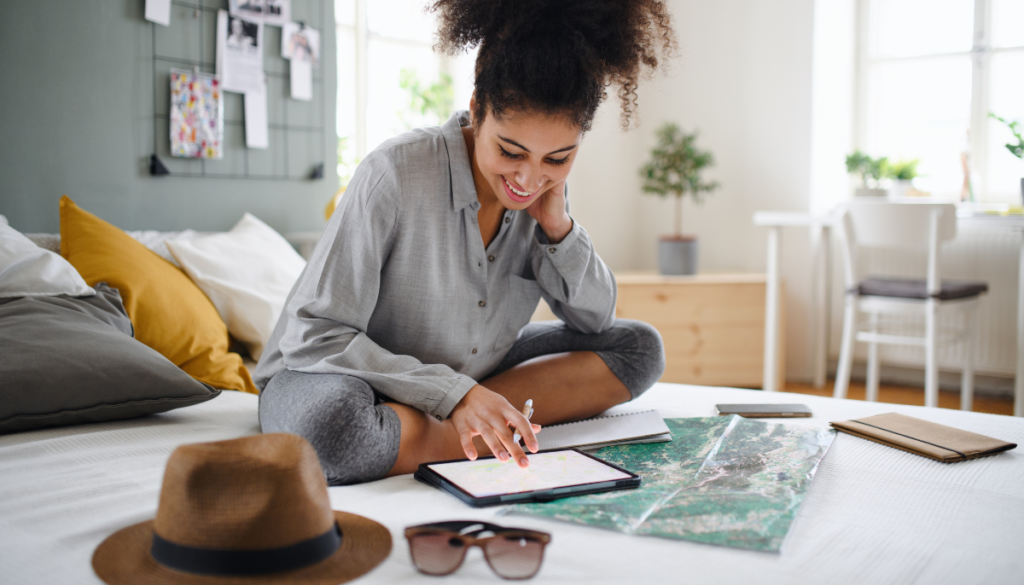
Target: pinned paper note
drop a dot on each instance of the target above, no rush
(302, 80)
(301, 45)
(159, 11)
(256, 134)
(239, 53)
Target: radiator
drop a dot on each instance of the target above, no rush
(979, 252)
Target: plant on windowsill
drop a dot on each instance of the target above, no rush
(870, 171)
(902, 174)
(674, 169)
(1016, 150)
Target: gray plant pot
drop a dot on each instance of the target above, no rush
(678, 256)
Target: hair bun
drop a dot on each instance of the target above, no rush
(557, 55)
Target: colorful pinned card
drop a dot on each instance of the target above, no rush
(197, 115)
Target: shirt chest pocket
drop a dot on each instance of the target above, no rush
(523, 296)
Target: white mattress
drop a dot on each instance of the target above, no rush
(872, 515)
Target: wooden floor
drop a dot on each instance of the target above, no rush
(913, 396)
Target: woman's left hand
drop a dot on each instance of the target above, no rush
(549, 211)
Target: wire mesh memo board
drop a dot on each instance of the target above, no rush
(297, 130)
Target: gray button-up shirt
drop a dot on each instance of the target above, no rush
(400, 291)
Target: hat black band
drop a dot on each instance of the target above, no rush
(207, 561)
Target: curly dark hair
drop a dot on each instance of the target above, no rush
(556, 56)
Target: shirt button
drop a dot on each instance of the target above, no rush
(508, 219)
(474, 350)
(490, 258)
(482, 303)
(479, 264)
(439, 417)
(552, 250)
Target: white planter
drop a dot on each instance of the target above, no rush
(899, 189)
(864, 192)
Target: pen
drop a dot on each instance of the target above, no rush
(527, 412)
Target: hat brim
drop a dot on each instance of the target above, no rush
(124, 558)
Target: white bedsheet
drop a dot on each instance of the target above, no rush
(872, 515)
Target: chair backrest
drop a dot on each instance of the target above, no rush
(906, 226)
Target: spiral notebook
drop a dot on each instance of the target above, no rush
(603, 431)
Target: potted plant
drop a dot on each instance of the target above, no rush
(1016, 150)
(674, 169)
(861, 164)
(902, 174)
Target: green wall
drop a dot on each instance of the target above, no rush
(76, 118)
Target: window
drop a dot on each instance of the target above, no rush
(930, 72)
(389, 78)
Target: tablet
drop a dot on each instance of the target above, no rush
(551, 475)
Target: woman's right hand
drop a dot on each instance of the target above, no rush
(487, 414)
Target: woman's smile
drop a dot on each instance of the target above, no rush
(514, 193)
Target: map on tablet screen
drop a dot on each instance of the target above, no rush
(490, 477)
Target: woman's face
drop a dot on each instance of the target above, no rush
(524, 154)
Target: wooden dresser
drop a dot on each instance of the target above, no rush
(712, 324)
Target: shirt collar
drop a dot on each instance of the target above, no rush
(463, 187)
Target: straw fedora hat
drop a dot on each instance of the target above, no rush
(250, 510)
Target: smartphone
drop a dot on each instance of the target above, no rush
(764, 410)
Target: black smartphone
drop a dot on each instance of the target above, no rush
(765, 410)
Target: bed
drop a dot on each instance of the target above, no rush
(872, 515)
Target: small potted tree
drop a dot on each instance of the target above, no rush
(1016, 150)
(861, 164)
(674, 169)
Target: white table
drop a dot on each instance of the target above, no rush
(872, 514)
(776, 220)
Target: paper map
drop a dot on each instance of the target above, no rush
(722, 480)
(490, 477)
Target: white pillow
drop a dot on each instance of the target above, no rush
(27, 270)
(247, 273)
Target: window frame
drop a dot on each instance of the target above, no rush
(363, 37)
(980, 56)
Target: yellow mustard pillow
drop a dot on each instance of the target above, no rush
(169, 312)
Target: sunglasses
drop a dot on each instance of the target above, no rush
(512, 553)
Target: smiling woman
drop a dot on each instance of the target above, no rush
(407, 338)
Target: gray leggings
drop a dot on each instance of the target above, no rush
(356, 437)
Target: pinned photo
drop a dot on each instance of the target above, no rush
(300, 43)
(242, 34)
(274, 12)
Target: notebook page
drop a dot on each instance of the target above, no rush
(604, 430)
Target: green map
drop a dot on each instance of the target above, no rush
(722, 480)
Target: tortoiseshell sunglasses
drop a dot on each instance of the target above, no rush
(439, 548)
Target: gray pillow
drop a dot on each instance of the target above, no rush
(72, 360)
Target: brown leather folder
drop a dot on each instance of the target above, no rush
(924, 438)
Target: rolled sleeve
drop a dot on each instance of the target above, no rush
(575, 282)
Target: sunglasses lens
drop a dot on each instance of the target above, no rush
(515, 557)
(436, 554)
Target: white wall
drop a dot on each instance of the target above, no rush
(744, 79)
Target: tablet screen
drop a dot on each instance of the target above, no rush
(490, 477)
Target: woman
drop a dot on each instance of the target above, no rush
(407, 338)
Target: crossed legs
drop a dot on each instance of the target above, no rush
(360, 437)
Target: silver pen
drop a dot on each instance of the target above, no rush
(527, 412)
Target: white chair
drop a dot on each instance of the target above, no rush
(905, 226)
